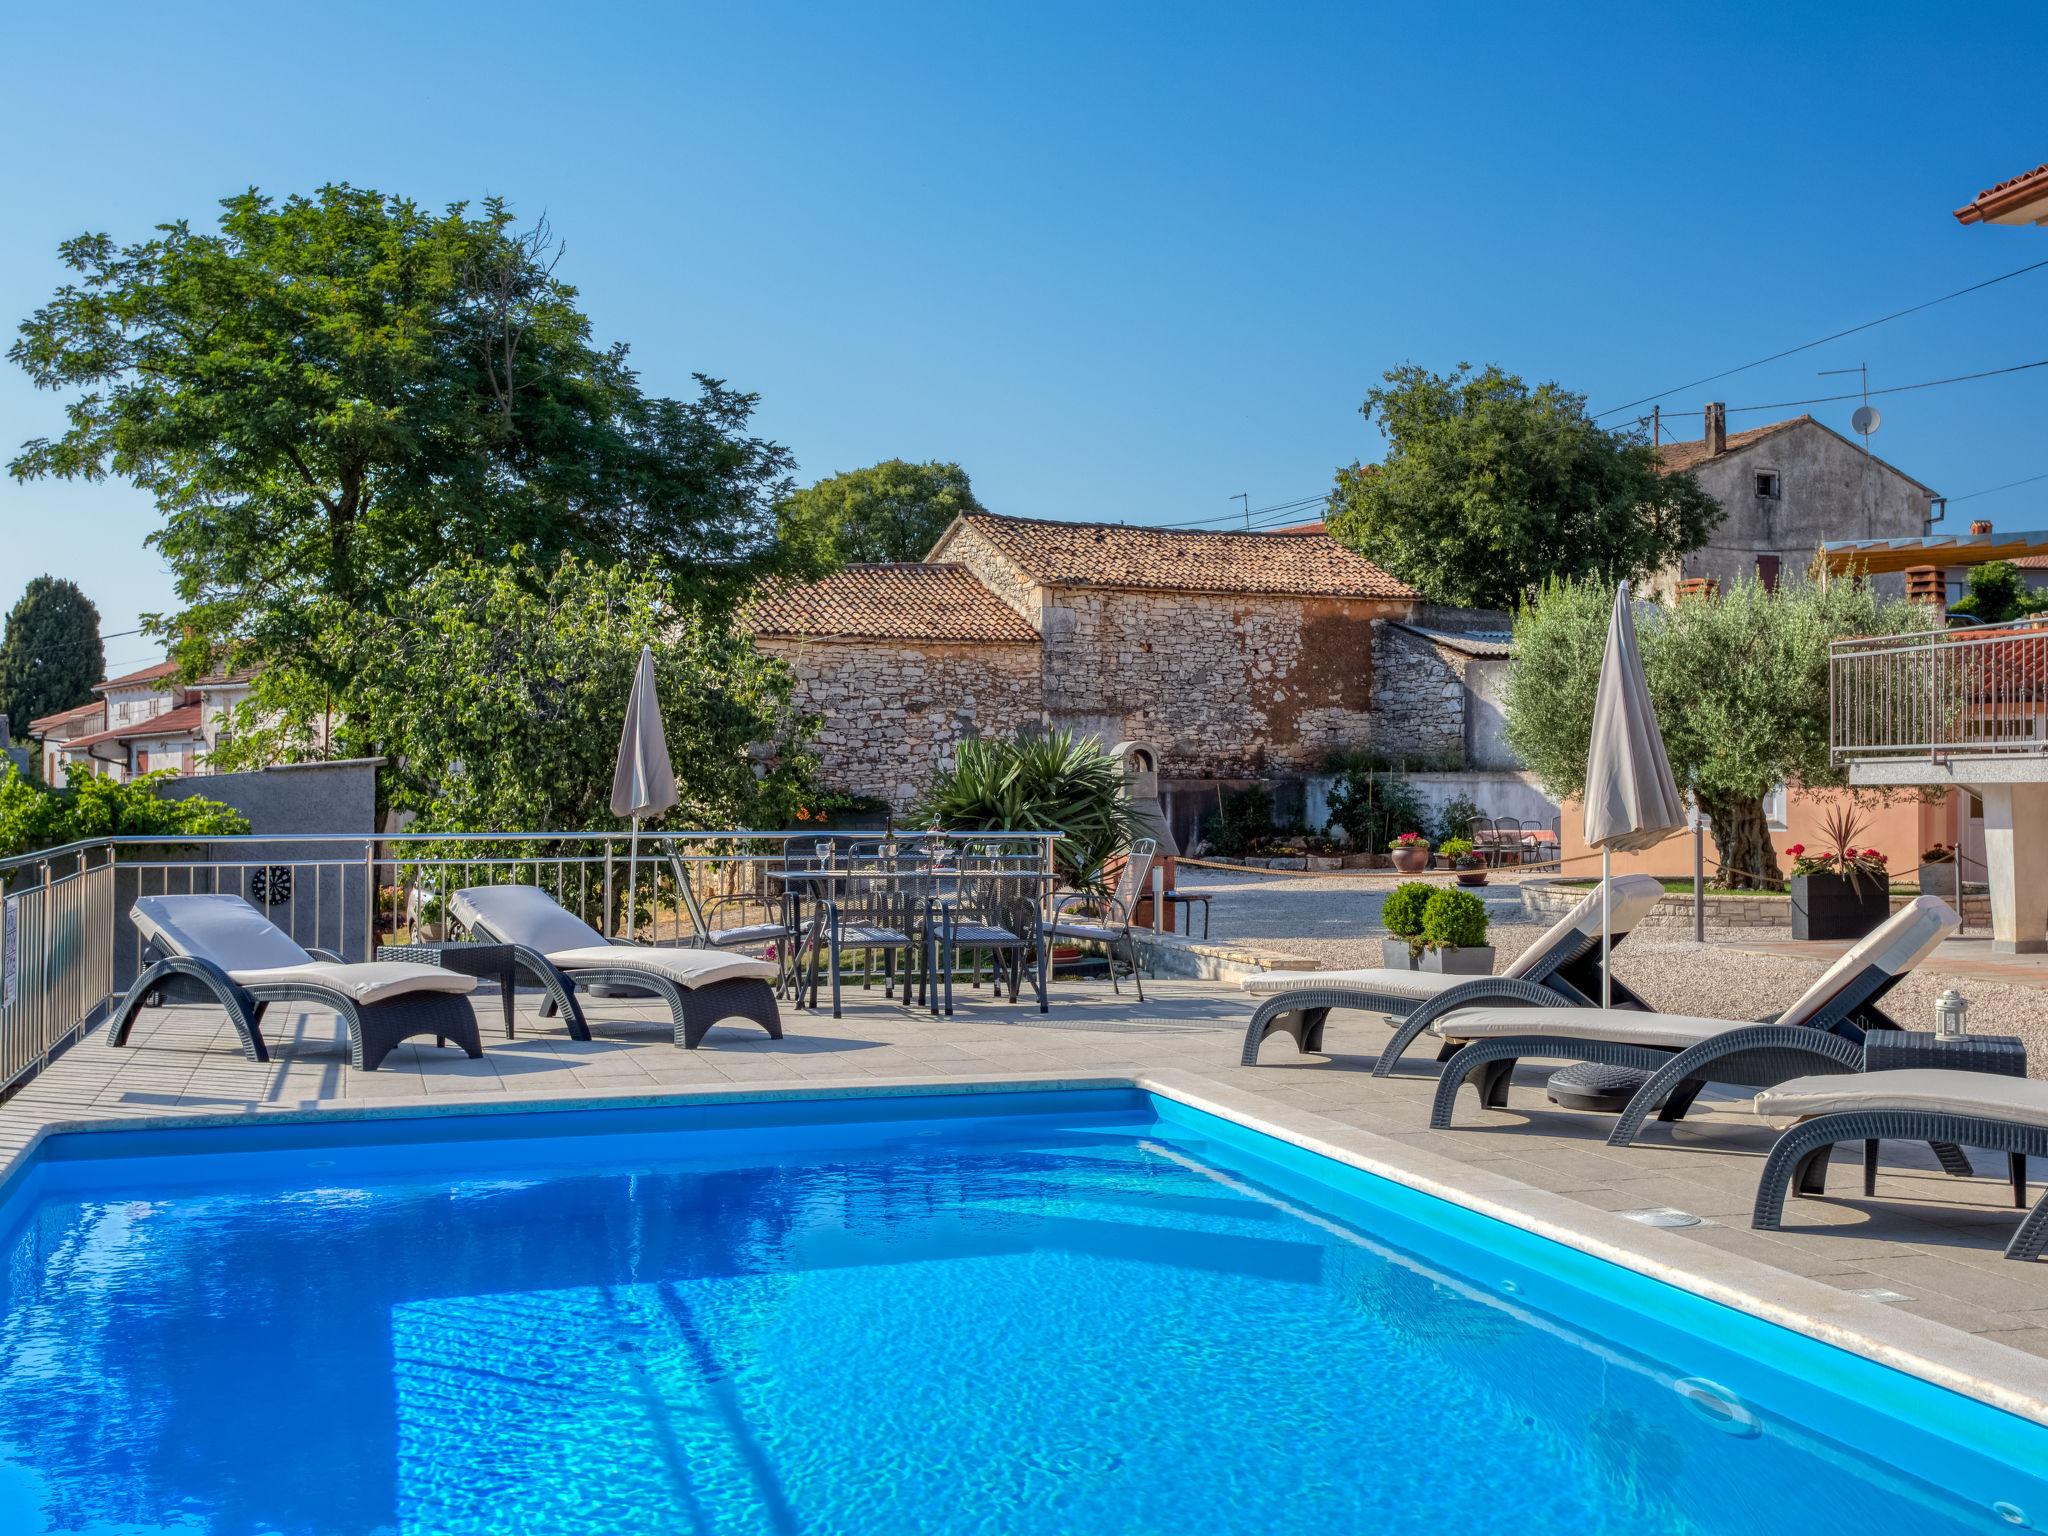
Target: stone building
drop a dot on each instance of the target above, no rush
(1785, 488)
(900, 663)
(1236, 656)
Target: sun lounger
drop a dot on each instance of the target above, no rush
(1971, 1109)
(560, 950)
(219, 949)
(1562, 966)
(1821, 1032)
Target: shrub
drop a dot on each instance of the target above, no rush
(1455, 848)
(1403, 908)
(1454, 819)
(34, 816)
(1056, 782)
(1243, 820)
(1371, 805)
(1453, 919)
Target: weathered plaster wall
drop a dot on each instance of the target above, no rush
(1418, 698)
(893, 711)
(1828, 488)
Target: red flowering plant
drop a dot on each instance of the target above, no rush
(1842, 826)
(1409, 840)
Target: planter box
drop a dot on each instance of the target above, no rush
(1465, 960)
(1357, 861)
(1395, 955)
(1831, 906)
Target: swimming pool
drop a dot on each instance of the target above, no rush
(1085, 1312)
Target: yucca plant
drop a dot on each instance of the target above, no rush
(1054, 781)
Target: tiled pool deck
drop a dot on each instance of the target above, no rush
(1928, 1247)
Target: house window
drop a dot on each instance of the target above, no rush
(1775, 808)
(1767, 483)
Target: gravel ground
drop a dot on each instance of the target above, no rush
(1335, 920)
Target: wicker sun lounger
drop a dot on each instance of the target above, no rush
(1562, 966)
(702, 987)
(1971, 1109)
(1821, 1032)
(219, 949)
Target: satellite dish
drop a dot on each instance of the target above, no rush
(1866, 420)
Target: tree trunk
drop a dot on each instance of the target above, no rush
(1742, 838)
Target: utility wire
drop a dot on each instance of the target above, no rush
(1896, 389)
(1994, 490)
(1808, 346)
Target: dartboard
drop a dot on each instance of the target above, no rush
(271, 886)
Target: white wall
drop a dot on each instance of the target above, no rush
(1496, 794)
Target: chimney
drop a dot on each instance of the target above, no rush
(1981, 525)
(1924, 584)
(1717, 428)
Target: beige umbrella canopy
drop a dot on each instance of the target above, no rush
(643, 784)
(1632, 802)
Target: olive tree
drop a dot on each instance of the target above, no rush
(1740, 683)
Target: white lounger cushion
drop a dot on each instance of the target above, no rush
(1634, 896)
(1895, 946)
(688, 967)
(369, 983)
(223, 929)
(254, 951)
(1938, 1090)
(1417, 984)
(1623, 1026)
(523, 914)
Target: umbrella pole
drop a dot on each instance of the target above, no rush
(632, 881)
(1606, 926)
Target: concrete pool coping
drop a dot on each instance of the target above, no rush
(1969, 1365)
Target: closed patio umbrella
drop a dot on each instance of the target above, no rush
(643, 784)
(1631, 799)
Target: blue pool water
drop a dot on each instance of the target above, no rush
(1052, 1312)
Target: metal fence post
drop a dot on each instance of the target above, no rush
(1158, 896)
(370, 902)
(605, 923)
(1699, 881)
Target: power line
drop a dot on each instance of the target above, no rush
(1808, 346)
(1994, 490)
(1896, 389)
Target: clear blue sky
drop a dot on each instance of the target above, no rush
(1120, 262)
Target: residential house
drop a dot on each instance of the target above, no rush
(1784, 490)
(141, 722)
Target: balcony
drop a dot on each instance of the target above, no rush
(1950, 706)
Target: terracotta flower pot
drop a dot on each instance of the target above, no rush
(1410, 861)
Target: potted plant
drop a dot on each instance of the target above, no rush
(1940, 853)
(1465, 862)
(1410, 853)
(1842, 893)
(1401, 914)
(1454, 934)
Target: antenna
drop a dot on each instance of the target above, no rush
(1246, 498)
(1865, 420)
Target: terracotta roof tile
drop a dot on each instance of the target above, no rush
(1672, 457)
(64, 717)
(185, 720)
(893, 602)
(2010, 193)
(1176, 560)
(137, 679)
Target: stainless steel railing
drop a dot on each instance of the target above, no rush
(1948, 692)
(75, 948)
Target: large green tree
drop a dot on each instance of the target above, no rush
(51, 655)
(894, 510)
(1490, 487)
(332, 396)
(1740, 683)
(496, 702)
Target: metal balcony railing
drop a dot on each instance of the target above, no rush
(1946, 693)
(68, 948)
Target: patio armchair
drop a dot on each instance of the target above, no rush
(220, 949)
(877, 906)
(704, 930)
(991, 906)
(562, 952)
(1081, 918)
(1937, 1105)
(1822, 1031)
(1563, 965)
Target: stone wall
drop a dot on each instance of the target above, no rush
(1418, 698)
(892, 712)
